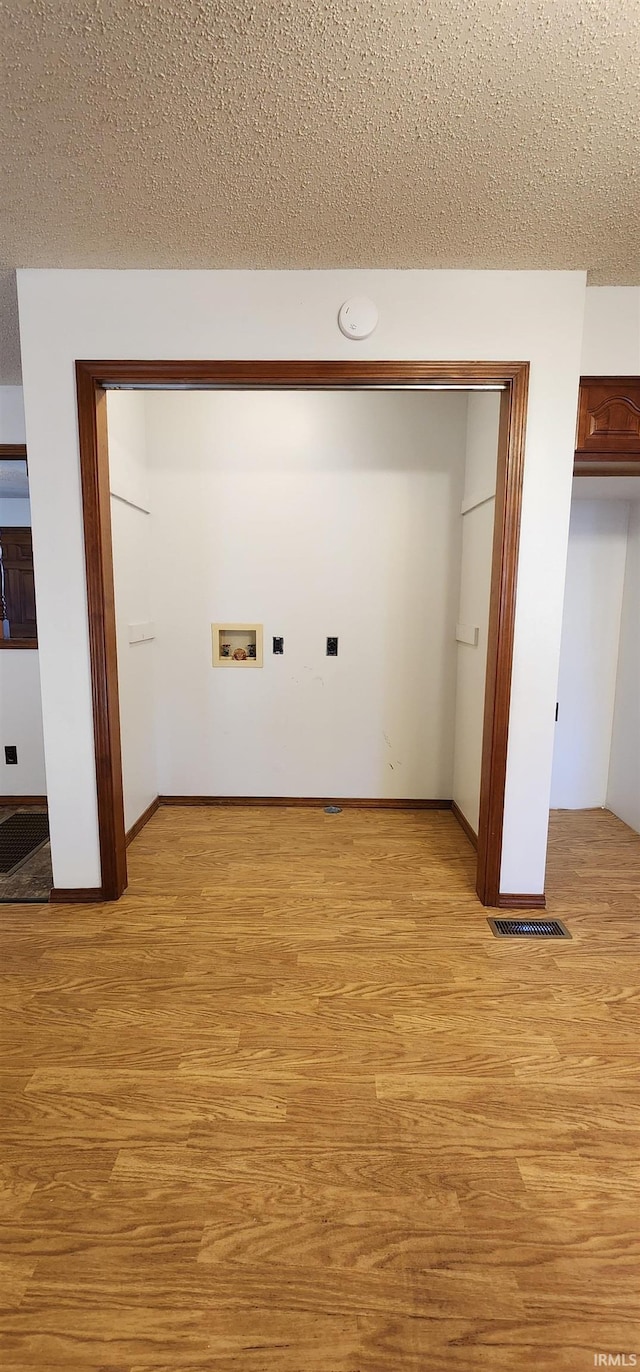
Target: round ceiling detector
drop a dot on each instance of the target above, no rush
(358, 317)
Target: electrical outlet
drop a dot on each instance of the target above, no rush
(11, 755)
(332, 647)
(278, 646)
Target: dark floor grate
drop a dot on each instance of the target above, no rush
(20, 835)
(528, 928)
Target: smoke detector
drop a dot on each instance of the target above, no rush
(358, 317)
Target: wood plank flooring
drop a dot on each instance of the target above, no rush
(290, 1106)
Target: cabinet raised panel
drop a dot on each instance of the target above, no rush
(608, 421)
(18, 591)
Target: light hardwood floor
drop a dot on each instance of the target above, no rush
(290, 1106)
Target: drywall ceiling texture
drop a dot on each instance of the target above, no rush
(66, 315)
(322, 134)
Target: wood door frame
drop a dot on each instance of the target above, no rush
(93, 378)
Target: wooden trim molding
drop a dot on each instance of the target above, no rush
(464, 824)
(76, 895)
(502, 610)
(96, 504)
(244, 374)
(309, 802)
(93, 377)
(8, 643)
(142, 820)
(13, 450)
(40, 801)
(521, 902)
(597, 466)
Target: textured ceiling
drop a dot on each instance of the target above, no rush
(321, 133)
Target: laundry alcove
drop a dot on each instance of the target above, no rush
(364, 515)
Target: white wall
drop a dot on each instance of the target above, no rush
(128, 473)
(20, 704)
(21, 716)
(525, 315)
(623, 791)
(589, 653)
(611, 340)
(611, 346)
(12, 428)
(312, 514)
(478, 512)
(131, 537)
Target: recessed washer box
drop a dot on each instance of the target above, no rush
(237, 645)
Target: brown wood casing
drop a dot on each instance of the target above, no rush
(307, 802)
(466, 827)
(13, 450)
(92, 379)
(96, 504)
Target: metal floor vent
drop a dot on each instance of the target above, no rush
(20, 836)
(528, 928)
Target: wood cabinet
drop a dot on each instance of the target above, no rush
(608, 436)
(18, 592)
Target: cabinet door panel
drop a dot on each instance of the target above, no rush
(19, 590)
(609, 418)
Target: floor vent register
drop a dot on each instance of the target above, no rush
(20, 836)
(528, 928)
